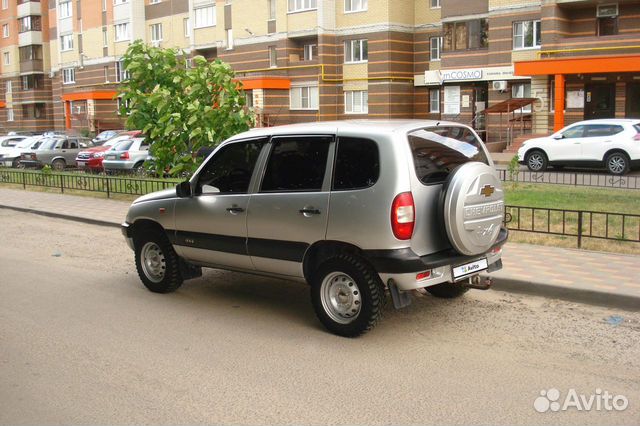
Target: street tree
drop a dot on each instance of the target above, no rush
(180, 106)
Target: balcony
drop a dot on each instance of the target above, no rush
(29, 8)
(29, 37)
(32, 65)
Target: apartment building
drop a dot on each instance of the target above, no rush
(310, 60)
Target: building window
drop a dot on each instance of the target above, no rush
(104, 5)
(310, 52)
(30, 53)
(10, 116)
(78, 107)
(466, 35)
(607, 16)
(117, 2)
(304, 97)
(65, 9)
(526, 34)
(5, 4)
(300, 5)
(29, 23)
(205, 17)
(9, 87)
(6, 58)
(68, 75)
(154, 1)
(105, 37)
(122, 32)
(355, 51)
(121, 73)
(33, 81)
(186, 26)
(522, 90)
(66, 42)
(273, 57)
(356, 102)
(272, 10)
(106, 73)
(120, 104)
(229, 39)
(435, 48)
(435, 4)
(355, 5)
(156, 32)
(434, 101)
(5, 30)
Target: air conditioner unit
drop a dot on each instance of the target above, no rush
(52, 74)
(500, 85)
(607, 11)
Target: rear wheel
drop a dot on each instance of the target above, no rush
(347, 295)
(447, 290)
(16, 163)
(157, 263)
(617, 163)
(536, 161)
(58, 164)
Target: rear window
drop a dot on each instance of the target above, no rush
(438, 151)
(123, 146)
(357, 164)
(637, 127)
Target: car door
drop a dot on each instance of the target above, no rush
(290, 210)
(211, 225)
(598, 139)
(568, 147)
(70, 153)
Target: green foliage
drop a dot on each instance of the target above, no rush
(180, 109)
(87, 133)
(47, 170)
(513, 169)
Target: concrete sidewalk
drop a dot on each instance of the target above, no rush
(606, 279)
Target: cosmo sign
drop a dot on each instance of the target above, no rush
(437, 77)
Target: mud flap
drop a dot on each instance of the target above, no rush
(401, 299)
(189, 271)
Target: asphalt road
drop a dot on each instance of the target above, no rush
(82, 342)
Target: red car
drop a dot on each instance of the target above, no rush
(91, 159)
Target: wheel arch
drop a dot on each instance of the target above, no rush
(535, 148)
(322, 250)
(143, 225)
(59, 157)
(613, 151)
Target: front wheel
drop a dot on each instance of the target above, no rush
(617, 163)
(157, 264)
(536, 161)
(58, 164)
(347, 295)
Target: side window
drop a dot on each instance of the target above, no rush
(574, 132)
(296, 164)
(229, 170)
(357, 164)
(65, 144)
(595, 130)
(73, 144)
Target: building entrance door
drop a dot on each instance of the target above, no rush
(633, 100)
(480, 97)
(600, 101)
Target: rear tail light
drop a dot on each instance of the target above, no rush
(403, 216)
(423, 275)
(33, 156)
(124, 155)
(636, 137)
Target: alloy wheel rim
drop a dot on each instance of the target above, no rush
(153, 262)
(535, 161)
(341, 298)
(617, 164)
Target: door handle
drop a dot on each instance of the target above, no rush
(235, 209)
(309, 211)
(609, 141)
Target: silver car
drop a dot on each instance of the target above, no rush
(57, 152)
(354, 208)
(127, 156)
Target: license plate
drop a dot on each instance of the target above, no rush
(80, 163)
(470, 268)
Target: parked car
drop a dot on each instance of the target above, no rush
(7, 143)
(354, 208)
(102, 137)
(11, 157)
(57, 152)
(91, 159)
(127, 156)
(612, 144)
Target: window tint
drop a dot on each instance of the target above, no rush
(595, 130)
(230, 169)
(65, 144)
(123, 146)
(438, 151)
(297, 164)
(357, 164)
(574, 132)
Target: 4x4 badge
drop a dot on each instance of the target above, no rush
(487, 190)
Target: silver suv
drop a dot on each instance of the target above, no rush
(354, 208)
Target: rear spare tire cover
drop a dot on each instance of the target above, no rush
(473, 208)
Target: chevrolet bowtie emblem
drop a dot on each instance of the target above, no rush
(487, 190)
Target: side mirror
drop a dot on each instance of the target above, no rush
(558, 136)
(183, 189)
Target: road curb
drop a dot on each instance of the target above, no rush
(585, 296)
(87, 220)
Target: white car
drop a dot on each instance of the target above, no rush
(613, 144)
(11, 157)
(7, 143)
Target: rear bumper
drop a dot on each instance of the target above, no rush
(118, 165)
(401, 265)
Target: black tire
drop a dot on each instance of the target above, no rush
(536, 161)
(617, 163)
(58, 164)
(447, 290)
(15, 163)
(368, 288)
(171, 279)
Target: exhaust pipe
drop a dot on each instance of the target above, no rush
(477, 283)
